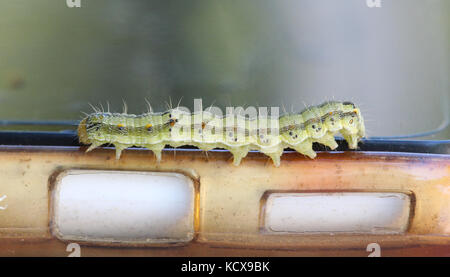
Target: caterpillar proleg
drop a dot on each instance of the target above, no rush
(235, 132)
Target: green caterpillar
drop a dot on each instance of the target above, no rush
(234, 132)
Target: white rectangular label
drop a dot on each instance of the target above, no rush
(123, 207)
(348, 212)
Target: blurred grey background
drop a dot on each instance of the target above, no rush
(392, 61)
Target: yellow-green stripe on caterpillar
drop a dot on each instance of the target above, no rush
(234, 132)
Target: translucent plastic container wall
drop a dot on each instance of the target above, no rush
(392, 60)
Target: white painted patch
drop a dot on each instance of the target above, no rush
(349, 212)
(123, 207)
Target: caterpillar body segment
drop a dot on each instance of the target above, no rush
(234, 132)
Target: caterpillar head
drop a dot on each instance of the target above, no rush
(89, 126)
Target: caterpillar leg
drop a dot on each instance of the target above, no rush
(276, 157)
(305, 148)
(238, 154)
(156, 149)
(93, 146)
(352, 139)
(274, 152)
(328, 140)
(119, 148)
